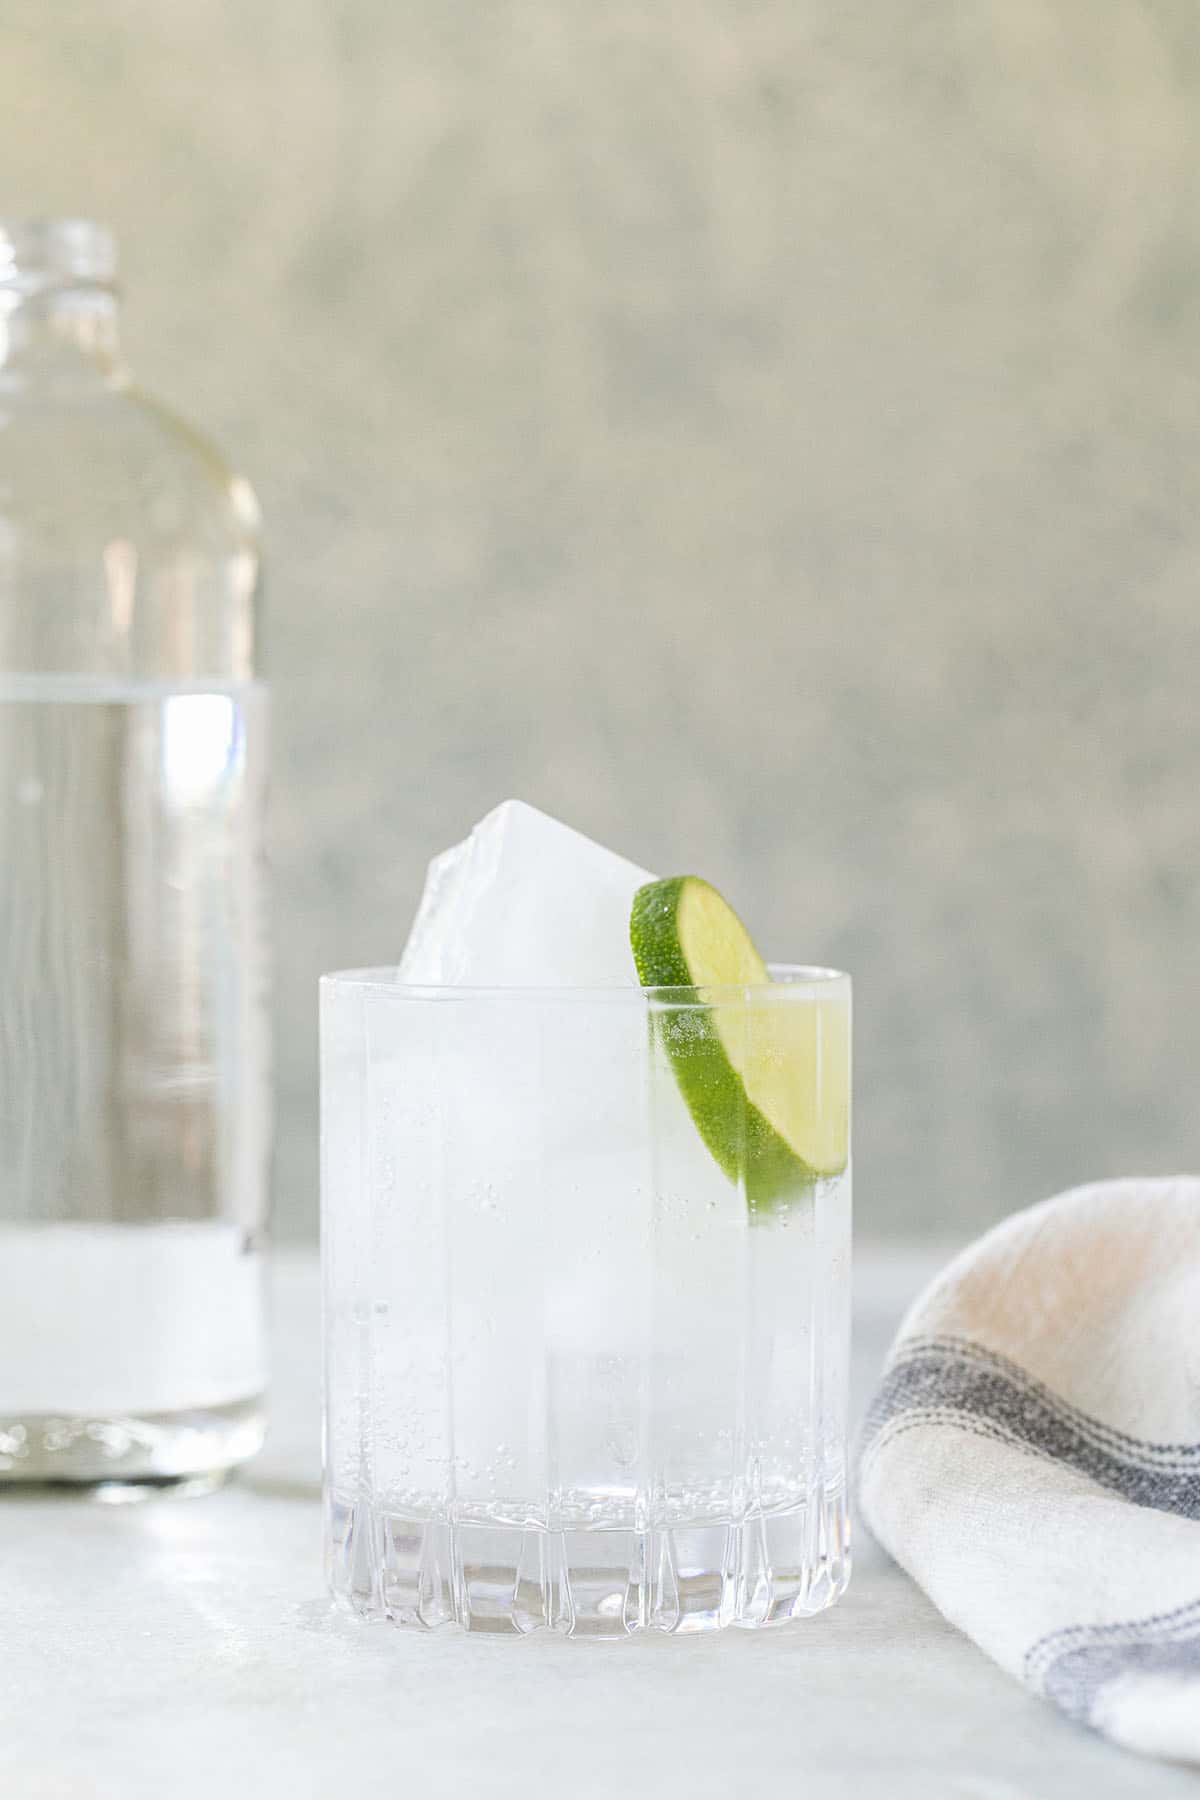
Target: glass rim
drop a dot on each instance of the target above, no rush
(791, 982)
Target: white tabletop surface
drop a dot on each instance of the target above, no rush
(183, 1648)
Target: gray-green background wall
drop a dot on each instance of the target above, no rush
(764, 434)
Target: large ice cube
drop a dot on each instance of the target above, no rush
(524, 902)
(515, 1143)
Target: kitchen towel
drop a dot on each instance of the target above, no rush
(1032, 1456)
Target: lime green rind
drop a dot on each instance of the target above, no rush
(654, 936)
(740, 1139)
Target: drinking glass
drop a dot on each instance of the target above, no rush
(577, 1377)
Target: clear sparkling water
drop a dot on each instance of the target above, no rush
(133, 1063)
(571, 1383)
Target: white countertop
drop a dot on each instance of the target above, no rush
(183, 1648)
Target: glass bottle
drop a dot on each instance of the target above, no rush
(134, 1051)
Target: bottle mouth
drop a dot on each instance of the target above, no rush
(40, 254)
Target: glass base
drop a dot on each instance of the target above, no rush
(758, 1571)
(126, 1456)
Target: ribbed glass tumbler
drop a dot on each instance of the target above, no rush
(585, 1371)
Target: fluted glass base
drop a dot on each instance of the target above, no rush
(484, 1575)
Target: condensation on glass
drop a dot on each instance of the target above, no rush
(574, 1380)
(134, 1101)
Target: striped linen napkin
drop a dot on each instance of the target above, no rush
(1032, 1457)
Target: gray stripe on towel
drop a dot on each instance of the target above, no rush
(1073, 1667)
(948, 1380)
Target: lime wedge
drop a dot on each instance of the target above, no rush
(767, 1085)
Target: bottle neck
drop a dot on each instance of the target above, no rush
(58, 302)
(59, 329)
